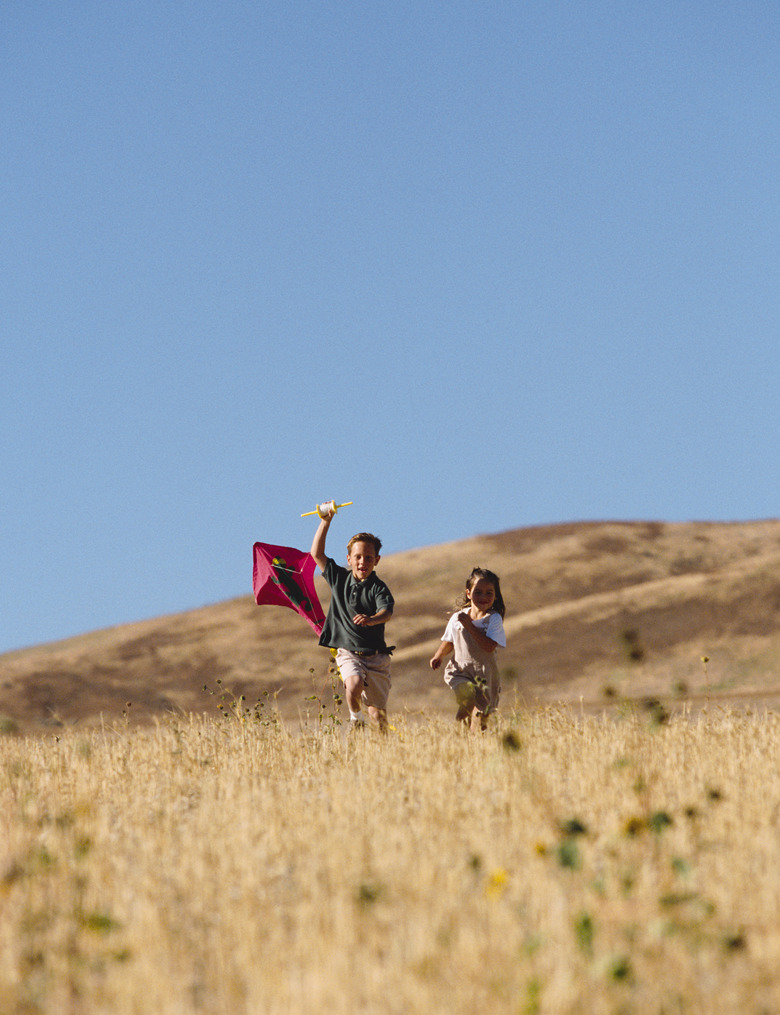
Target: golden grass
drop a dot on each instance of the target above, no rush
(561, 863)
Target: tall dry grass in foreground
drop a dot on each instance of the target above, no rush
(558, 864)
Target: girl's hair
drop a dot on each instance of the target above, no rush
(482, 572)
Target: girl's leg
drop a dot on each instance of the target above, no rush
(465, 696)
(484, 704)
(478, 723)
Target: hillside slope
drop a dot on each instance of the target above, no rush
(597, 612)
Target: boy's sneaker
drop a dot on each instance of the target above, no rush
(356, 724)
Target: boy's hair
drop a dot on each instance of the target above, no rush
(482, 572)
(365, 537)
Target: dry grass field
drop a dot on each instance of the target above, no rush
(188, 829)
(561, 863)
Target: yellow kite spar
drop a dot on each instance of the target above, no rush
(322, 509)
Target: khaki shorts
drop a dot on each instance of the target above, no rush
(373, 671)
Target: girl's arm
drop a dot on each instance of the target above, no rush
(485, 643)
(443, 650)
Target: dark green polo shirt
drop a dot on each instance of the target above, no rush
(348, 598)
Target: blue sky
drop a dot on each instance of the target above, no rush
(472, 265)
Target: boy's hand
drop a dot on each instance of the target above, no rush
(327, 509)
(435, 662)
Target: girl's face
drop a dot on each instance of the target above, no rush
(482, 594)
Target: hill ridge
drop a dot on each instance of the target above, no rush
(622, 607)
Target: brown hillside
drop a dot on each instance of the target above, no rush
(596, 612)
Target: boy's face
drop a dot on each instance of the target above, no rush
(362, 560)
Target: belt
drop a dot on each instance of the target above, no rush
(364, 654)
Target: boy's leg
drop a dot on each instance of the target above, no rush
(377, 689)
(378, 717)
(352, 673)
(353, 689)
(366, 681)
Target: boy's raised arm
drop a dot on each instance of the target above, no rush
(318, 543)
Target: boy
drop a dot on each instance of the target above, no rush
(360, 606)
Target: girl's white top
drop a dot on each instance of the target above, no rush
(492, 625)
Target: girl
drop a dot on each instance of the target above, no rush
(473, 633)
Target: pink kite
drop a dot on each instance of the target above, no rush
(283, 576)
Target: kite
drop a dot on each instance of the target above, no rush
(284, 576)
